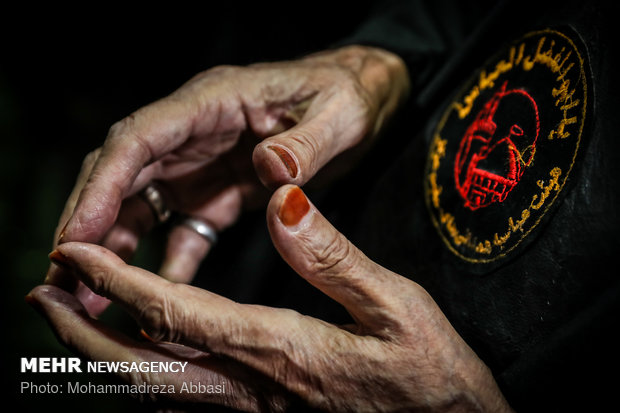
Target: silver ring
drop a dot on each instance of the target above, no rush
(201, 227)
(154, 198)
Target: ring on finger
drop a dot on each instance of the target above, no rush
(201, 227)
(154, 198)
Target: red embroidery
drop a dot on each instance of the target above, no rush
(497, 148)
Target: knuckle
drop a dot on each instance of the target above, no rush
(101, 278)
(119, 127)
(224, 69)
(157, 319)
(126, 135)
(353, 56)
(308, 144)
(217, 72)
(334, 257)
(137, 378)
(90, 158)
(141, 146)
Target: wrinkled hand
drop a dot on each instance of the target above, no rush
(401, 354)
(208, 144)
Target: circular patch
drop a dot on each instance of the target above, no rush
(503, 149)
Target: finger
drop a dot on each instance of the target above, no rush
(95, 341)
(134, 221)
(87, 167)
(266, 339)
(186, 248)
(131, 145)
(329, 261)
(184, 252)
(162, 308)
(55, 275)
(333, 123)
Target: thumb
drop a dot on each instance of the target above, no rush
(329, 127)
(329, 261)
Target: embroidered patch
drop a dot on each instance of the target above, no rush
(503, 149)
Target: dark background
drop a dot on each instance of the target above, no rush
(65, 77)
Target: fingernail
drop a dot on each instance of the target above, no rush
(62, 233)
(59, 259)
(294, 207)
(30, 299)
(146, 336)
(287, 159)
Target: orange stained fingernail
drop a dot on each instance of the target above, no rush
(294, 207)
(59, 258)
(146, 336)
(287, 159)
(62, 233)
(30, 299)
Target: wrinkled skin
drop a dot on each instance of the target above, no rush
(400, 355)
(210, 148)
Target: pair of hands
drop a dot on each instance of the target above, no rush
(214, 146)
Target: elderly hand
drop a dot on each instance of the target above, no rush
(208, 144)
(401, 354)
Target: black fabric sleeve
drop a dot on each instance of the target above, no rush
(423, 33)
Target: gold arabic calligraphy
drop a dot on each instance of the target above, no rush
(557, 61)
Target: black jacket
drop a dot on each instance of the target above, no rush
(495, 188)
(504, 203)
